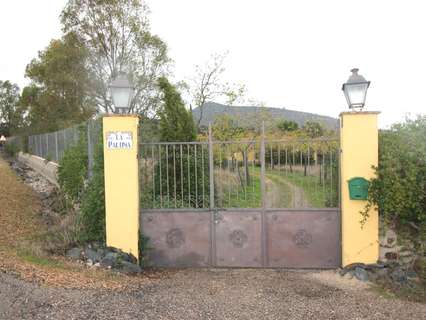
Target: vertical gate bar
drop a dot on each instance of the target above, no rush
(331, 177)
(279, 159)
(174, 173)
(302, 175)
(293, 177)
(56, 149)
(181, 175)
(253, 174)
(286, 160)
(153, 176)
(263, 193)
(167, 176)
(202, 174)
(309, 161)
(262, 167)
(189, 175)
(236, 168)
(196, 176)
(211, 201)
(220, 171)
(323, 177)
(229, 181)
(315, 163)
(161, 177)
(245, 164)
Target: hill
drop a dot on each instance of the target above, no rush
(246, 114)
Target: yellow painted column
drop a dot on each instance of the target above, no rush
(120, 134)
(359, 147)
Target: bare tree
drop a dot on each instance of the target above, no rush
(208, 85)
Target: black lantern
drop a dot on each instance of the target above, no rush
(121, 90)
(355, 90)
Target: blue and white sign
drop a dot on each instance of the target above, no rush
(119, 140)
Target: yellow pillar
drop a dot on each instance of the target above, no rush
(359, 147)
(120, 134)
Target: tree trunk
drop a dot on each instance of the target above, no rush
(246, 168)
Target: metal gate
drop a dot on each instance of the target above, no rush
(257, 203)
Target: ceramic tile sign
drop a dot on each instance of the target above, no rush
(119, 140)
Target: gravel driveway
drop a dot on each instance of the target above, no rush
(210, 294)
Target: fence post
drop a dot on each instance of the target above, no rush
(46, 136)
(263, 195)
(359, 153)
(211, 168)
(262, 167)
(56, 147)
(89, 150)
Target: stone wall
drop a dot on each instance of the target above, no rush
(396, 247)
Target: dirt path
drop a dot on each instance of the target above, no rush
(298, 195)
(210, 294)
(274, 193)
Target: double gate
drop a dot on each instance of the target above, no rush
(260, 203)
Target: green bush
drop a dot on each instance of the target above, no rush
(74, 183)
(187, 172)
(72, 170)
(11, 149)
(399, 190)
(92, 216)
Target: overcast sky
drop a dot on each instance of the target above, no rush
(292, 54)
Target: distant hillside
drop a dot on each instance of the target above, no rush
(246, 115)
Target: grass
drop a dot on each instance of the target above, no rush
(20, 248)
(30, 257)
(282, 197)
(317, 196)
(416, 292)
(236, 196)
(230, 193)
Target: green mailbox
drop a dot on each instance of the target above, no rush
(358, 188)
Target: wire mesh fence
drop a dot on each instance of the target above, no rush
(51, 146)
(240, 174)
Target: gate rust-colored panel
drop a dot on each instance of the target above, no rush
(238, 239)
(303, 239)
(178, 239)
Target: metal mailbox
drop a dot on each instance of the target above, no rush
(358, 188)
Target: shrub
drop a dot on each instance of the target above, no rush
(11, 149)
(399, 190)
(92, 216)
(72, 170)
(89, 194)
(187, 172)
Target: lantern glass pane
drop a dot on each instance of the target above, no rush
(356, 93)
(121, 96)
